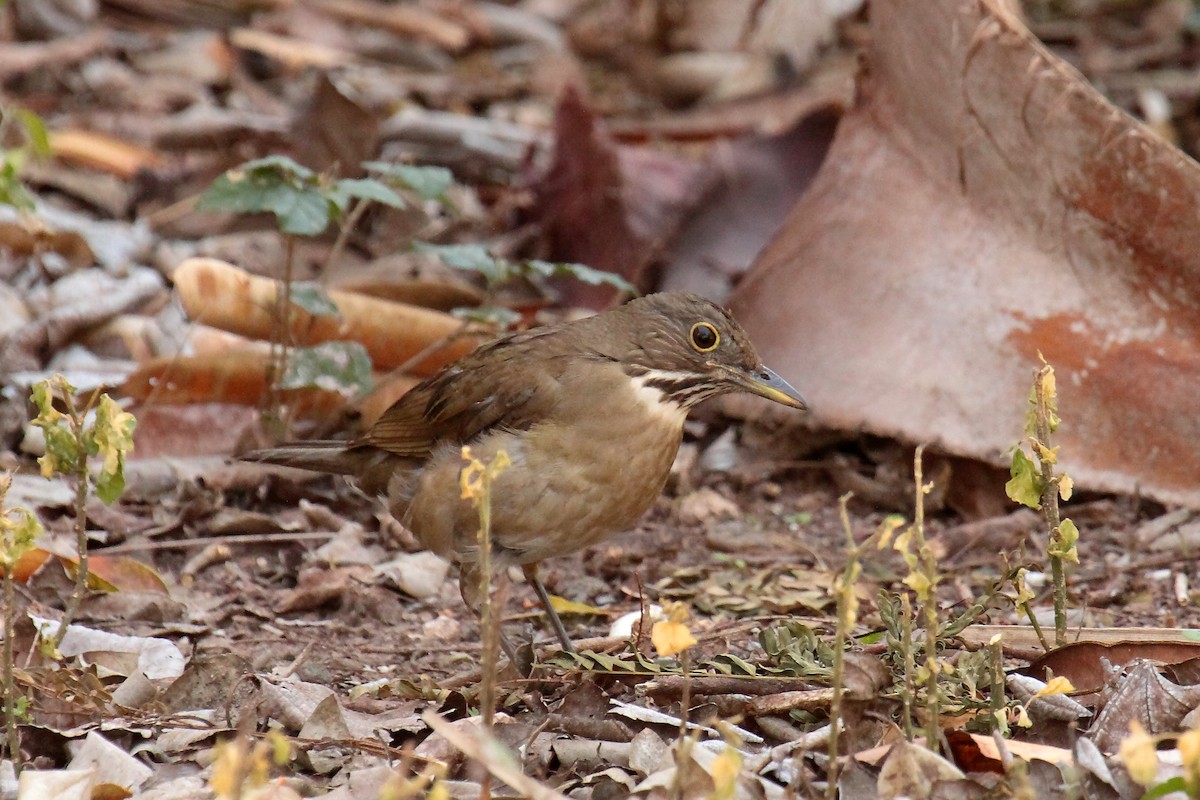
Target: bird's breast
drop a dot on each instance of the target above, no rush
(585, 472)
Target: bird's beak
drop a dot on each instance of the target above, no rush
(766, 383)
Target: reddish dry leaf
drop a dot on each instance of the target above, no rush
(197, 429)
(236, 377)
(968, 756)
(980, 205)
(29, 563)
(611, 207)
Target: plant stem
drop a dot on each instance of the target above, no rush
(81, 541)
(933, 700)
(281, 341)
(845, 612)
(910, 663)
(488, 621)
(10, 693)
(1042, 415)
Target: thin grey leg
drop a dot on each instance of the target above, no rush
(531, 575)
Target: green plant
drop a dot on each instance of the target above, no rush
(847, 618)
(26, 127)
(305, 203)
(100, 429)
(19, 528)
(499, 271)
(1035, 483)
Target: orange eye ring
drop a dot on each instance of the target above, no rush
(704, 337)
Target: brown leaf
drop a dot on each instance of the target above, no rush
(610, 207)
(1082, 662)
(980, 205)
(1144, 695)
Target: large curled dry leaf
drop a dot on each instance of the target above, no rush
(982, 203)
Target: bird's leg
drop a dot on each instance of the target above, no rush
(468, 586)
(531, 575)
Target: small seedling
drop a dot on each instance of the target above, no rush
(27, 128)
(1035, 483)
(499, 271)
(100, 430)
(304, 203)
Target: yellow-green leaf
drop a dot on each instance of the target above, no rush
(1063, 545)
(1025, 485)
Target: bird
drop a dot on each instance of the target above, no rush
(590, 413)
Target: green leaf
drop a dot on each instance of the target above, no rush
(284, 167)
(304, 214)
(580, 272)
(1025, 485)
(431, 183)
(333, 366)
(276, 184)
(313, 298)
(492, 316)
(35, 131)
(1169, 786)
(371, 189)
(469, 257)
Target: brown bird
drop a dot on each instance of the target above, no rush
(590, 413)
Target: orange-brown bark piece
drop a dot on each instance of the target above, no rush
(221, 295)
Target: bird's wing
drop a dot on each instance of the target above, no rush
(475, 395)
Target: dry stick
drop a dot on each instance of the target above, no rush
(227, 539)
(482, 747)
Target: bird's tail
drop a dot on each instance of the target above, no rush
(327, 455)
(372, 467)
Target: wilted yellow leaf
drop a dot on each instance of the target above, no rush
(1189, 752)
(564, 606)
(672, 635)
(1065, 486)
(1057, 685)
(724, 771)
(1138, 754)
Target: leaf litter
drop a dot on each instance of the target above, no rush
(222, 615)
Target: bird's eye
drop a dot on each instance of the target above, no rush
(705, 337)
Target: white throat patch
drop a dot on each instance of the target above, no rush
(654, 399)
